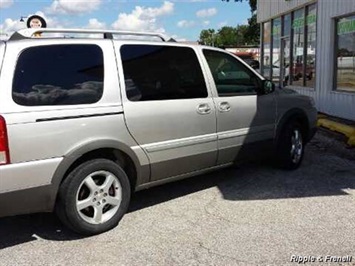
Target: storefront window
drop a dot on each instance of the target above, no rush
(276, 35)
(285, 50)
(311, 26)
(345, 69)
(287, 25)
(292, 40)
(298, 48)
(267, 51)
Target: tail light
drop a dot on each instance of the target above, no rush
(4, 144)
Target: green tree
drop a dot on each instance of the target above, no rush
(241, 35)
(227, 36)
(208, 37)
(242, 32)
(253, 33)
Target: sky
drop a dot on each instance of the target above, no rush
(180, 19)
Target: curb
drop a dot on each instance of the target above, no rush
(347, 130)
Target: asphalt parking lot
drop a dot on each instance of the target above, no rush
(247, 215)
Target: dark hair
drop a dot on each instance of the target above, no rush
(43, 22)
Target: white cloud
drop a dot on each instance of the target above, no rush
(222, 24)
(178, 39)
(245, 22)
(185, 24)
(73, 6)
(205, 22)
(6, 3)
(51, 22)
(166, 9)
(206, 12)
(96, 24)
(10, 26)
(143, 19)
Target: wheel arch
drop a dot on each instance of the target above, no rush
(108, 149)
(295, 114)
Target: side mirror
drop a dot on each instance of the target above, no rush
(268, 87)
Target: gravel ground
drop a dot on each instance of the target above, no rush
(247, 215)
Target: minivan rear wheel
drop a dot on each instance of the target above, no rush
(94, 197)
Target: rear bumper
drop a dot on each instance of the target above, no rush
(27, 187)
(32, 200)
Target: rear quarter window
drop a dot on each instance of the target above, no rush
(59, 75)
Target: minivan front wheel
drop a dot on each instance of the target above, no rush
(290, 146)
(94, 197)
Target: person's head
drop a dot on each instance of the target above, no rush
(36, 22)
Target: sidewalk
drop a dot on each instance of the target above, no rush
(345, 127)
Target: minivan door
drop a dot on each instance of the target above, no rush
(245, 117)
(168, 108)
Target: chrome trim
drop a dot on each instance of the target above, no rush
(243, 131)
(179, 143)
(233, 133)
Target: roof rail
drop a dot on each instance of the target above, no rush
(107, 34)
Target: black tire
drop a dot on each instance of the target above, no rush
(290, 150)
(74, 190)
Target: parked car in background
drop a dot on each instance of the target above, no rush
(255, 64)
(276, 73)
(298, 65)
(249, 58)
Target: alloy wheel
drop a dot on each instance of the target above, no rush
(99, 197)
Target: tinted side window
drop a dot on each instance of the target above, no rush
(231, 76)
(154, 72)
(59, 75)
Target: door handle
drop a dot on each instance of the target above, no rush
(203, 109)
(224, 107)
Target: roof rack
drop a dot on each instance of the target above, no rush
(107, 34)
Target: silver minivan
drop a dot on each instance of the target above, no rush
(85, 122)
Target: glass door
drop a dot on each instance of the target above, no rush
(285, 61)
